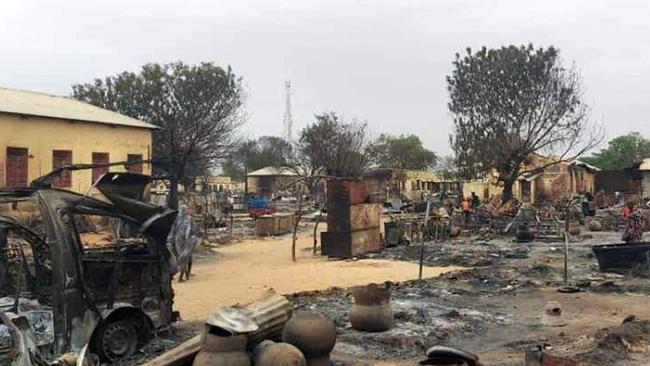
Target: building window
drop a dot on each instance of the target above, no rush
(99, 158)
(16, 164)
(59, 159)
(134, 167)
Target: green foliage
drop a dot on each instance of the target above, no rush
(621, 152)
(401, 152)
(257, 154)
(511, 102)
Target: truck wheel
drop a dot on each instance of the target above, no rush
(115, 341)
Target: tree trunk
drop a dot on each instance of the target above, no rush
(507, 190)
(320, 215)
(172, 199)
(295, 228)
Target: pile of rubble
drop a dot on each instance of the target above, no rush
(627, 343)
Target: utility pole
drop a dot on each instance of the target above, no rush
(288, 119)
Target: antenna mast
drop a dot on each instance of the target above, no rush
(288, 119)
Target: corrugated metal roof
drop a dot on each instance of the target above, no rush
(271, 171)
(47, 105)
(645, 164)
(585, 165)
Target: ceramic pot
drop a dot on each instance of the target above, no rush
(371, 311)
(574, 229)
(222, 349)
(280, 354)
(313, 334)
(595, 225)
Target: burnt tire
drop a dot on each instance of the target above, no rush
(115, 341)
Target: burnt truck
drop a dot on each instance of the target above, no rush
(76, 285)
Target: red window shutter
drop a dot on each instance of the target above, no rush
(59, 159)
(16, 165)
(100, 158)
(134, 168)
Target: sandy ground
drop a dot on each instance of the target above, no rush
(241, 272)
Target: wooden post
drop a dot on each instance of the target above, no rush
(566, 243)
(426, 221)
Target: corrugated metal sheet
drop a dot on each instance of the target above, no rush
(273, 171)
(45, 105)
(628, 180)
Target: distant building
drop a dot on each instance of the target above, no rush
(217, 184)
(270, 180)
(631, 182)
(554, 182)
(410, 184)
(40, 132)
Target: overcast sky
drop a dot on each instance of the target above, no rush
(380, 61)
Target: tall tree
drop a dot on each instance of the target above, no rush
(511, 102)
(197, 107)
(256, 154)
(621, 152)
(401, 152)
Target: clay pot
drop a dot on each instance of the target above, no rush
(371, 311)
(553, 315)
(595, 225)
(222, 349)
(280, 354)
(574, 229)
(313, 334)
(454, 232)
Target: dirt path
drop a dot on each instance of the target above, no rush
(243, 271)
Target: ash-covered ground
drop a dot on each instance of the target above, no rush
(495, 307)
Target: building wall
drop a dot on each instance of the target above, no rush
(645, 184)
(411, 184)
(42, 135)
(217, 184)
(557, 182)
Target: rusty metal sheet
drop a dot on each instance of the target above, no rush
(348, 192)
(618, 180)
(365, 216)
(348, 244)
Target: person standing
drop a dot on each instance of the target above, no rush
(634, 223)
(467, 210)
(476, 202)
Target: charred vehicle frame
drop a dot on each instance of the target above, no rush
(108, 298)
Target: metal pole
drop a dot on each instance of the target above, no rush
(426, 222)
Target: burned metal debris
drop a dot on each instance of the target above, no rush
(107, 297)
